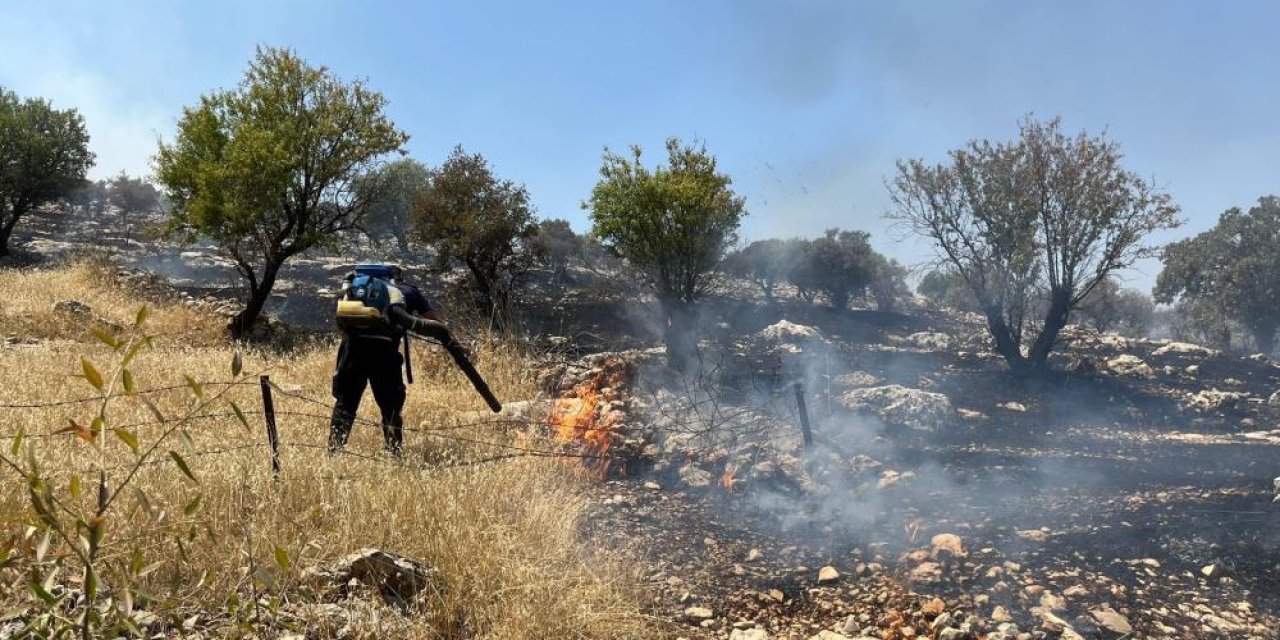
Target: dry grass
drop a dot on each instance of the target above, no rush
(505, 536)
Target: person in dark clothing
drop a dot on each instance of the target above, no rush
(373, 359)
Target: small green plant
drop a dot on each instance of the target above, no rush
(71, 539)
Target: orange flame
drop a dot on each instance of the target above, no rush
(727, 480)
(586, 416)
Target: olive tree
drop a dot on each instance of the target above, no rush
(267, 169)
(764, 262)
(673, 224)
(44, 156)
(391, 191)
(1231, 271)
(477, 220)
(130, 196)
(1047, 215)
(1110, 307)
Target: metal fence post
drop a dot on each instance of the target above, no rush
(269, 411)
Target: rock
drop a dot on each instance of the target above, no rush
(970, 414)
(1209, 570)
(1130, 366)
(1112, 622)
(694, 476)
(831, 635)
(1274, 400)
(1276, 486)
(1000, 614)
(952, 633)
(947, 545)
(926, 572)
(1185, 348)
(73, 308)
(398, 579)
(754, 555)
(785, 332)
(903, 406)
(652, 486)
(749, 634)
(828, 574)
(1034, 535)
(1214, 400)
(699, 613)
(855, 379)
(929, 341)
(1013, 406)
(933, 608)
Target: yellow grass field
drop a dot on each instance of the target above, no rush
(504, 535)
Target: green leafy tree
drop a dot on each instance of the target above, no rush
(556, 246)
(131, 197)
(475, 219)
(888, 283)
(1109, 307)
(946, 288)
(44, 156)
(843, 265)
(267, 170)
(1231, 271)
(1046, 215)
(673, 224)
(764, 262)
(391, 191)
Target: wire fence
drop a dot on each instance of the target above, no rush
(498, 450)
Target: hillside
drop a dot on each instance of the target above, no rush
(1127, 495)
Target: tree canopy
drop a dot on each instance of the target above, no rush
(1231, 271)
(475, 219)
(672, 223)
(44, 156)
(267, 170)
(392, 190)
(1046, 215)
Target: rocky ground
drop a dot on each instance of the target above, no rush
(1129, 495)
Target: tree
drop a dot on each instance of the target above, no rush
(391, 191)
(673, 224)
(764, 262)
(44, 156)
(479, 221)
(888, 283)
(946, 288)
(1112, 308)
(132, 196)
(1046, 215)
(267, 170)
(89, 197)
(1231, 270)
(843, 265)
(555, 245)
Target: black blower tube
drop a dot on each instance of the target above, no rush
(433, 329)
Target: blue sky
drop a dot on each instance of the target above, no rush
(806, 103)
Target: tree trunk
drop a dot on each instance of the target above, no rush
(6, 232)
(1054, 320)
(1265, 337)
(242, 324)
(680, 333)
(1006, 345)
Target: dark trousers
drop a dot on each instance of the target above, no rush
(376, 363)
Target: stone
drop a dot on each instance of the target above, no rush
(396, 578)
(828, 574)
(926, 572)
(749, 634)
(929, 341)
(947, 545)
(1013, 406)
(699, 613)
(694, 476)
(1112, 622)
(786, 332)
(754, 555)
(1000, 614)
(1130, 366)
(73, 308)
(902, 406)
(1185, 348)
(1274, 400)
(1215, 400)
(1209, 571)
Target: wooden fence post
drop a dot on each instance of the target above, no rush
(269, 411)
(804, 415)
